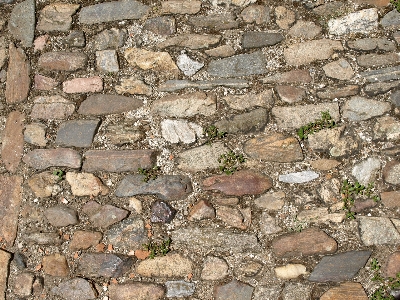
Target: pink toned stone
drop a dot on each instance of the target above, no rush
(45, 83)
(83, 85)
(40, 42)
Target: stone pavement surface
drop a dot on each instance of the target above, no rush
(94, 94)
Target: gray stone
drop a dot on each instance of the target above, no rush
(75, 289)
(339, 267)
(77, 133)
(35, 134)
(215, 22)
(296, 291)
(368, 44)
(328, 8)
(191, 40)
(293, 76)
(61, 216)
(359, 108)
(56, 17)
(299, 177)
(52, 107)
(377, 88)
(103, 264)
(176, 85)
(162, 212)
(390, 172)
(249, 100)
(378, 231)
(22, 22)
(377, 60)
(180, 7)
(175, 131)
(391, 19)
(290, 94)
(258, 14)
(338, 91)
(362, 21)
(113, 38)
(105, 215)
(384, 74)
(257, 39)
(179, 288)
(252, 121)
(305, 29)
(366, 171)
(136, 290)
(267, 293)
(112, 11)
(103, 104)
(76, 38)
(61, 157)
(107, 61)
(161, 25)
(268, 225)
(233, 290)
(214, 268)
(339, 69)
(239, 65)
(128, 234)
(187, 65)
(395, 98)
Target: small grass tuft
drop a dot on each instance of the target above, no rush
(326, 121)
(59, 173)
(386, 284)
(396, 4)
(151, 173)
(158, 249)
(230, 162)
(212, 133)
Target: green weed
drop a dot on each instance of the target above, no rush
(396, 4)
(230, 162)
(386, 284)
(325, 122)
(59, 173)
(151, 173)
(212, 133)
(158, 249)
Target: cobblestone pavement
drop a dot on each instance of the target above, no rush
(220, 149)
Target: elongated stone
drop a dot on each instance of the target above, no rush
(253, 121)
(191, 41)
(136, 290)
(360, 108)
(215, 22)
(176, 85)
(52, 107)
(61, 157)
(13, 141)
(299, 177)
(62, 61)
(103, 264)
(171, 265)
(22, 22)
(362, 21)
(103, 104)
(293, 76)
(346, 290)
(384, 74)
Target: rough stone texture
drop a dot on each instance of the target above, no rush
(258, 14)
(176, 85)
(83, 85)
(368, 44)
(103, 104)
(324, 164)
(44, 83)
(136, 290)
(133, 86)
(43, 238)
(395, 98)
(387, 128)
(271, 201)
(298, 177)
(104, 215)
(380, 87)
(107, 61)
(55, 265)
(125, 133)
(43, 184)
(268, 225)
(377, 60)
(284, 17)
(113, 38)
(391, 19)
(305, 29)
(214, 22)
(339, 69)
(52, 107)
(83, 240)
(252, 121)
(175, 131)
(221, 51)
(338, 92)
(234, 217)
(346, 290)
(161, 25)
(293, 76)
(103, 264)
(23, 284)
(290, 94)
(85, 184)
(171, 265)
(22, 22)
(233, 290)
(35, 134)
(296, 291)
(214, 268)
(62, 61)
(362, 21)
(77, 133)
(256, 39)
(359, 108)
(129, 234)
(180, 7)
(191, 41)
(201, 210)
(249, 100)
(61, 157)
(56, 17)
(5, 259)
(383, 74)
(76, 38)
(378, 231)
(391, 199)
(75, 289)
(390, 172)
(12, 146)
(187, 65)
(392, 266)
(179, 288)
(162, 212)
(290, 271)
(60, 216)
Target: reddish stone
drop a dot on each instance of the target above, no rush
(201, 210)
(136, 290)
(290, 94)
(5, 258)
(83, 85)
(83, 240)
(241, 183)
(52, 107)
(61, 157)
(55, 265)
(108, 104)
(13, 141)
(392, 266)
(44, 83)
(346, 290)
(391, 199)
(62, 61)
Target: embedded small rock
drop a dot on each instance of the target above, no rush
(290, 271)
(75, 289)
(162, 212)
(107, 61)
(56, 17)
(83, 240)
(359, 108)
(55, 265)
(85, 184)
(187, 65)
(233, 290)
(175, 131)
(362, 21)
(62, 61)
(99, 104)
(170, 265)
(179, 288)
(103, 264)
(201, 210)
(136, 290)
(52, 107)
(113, 38)
(378, 231)
(43, 184)
(35, 134)
(299, 177)
(214, 268)
(129, 234)
(104, 215)
(60, 216)
(77, 133)
(339, 69)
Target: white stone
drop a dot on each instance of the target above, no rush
(290, 271)
(362, 21)
(175, 131)
(299, 177)
(187, 65)
(107, 61)
(365, 172)
(135, 204)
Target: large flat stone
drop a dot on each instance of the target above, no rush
(253, 121)
(103, 104)
(56, 17)
(338, 91)
(83, 85)
(359, 108)
(77, 133)
(191, 41)
(175, 131)
(22, 22)
(233, 290)
(52, 107)
(378, 231)
(180, 7)
(104, 215)
(176, 85)
(346, 290)
(12, 146)
(61, 157)
(391, 171)
(362, 21)
(171, 265)
(249, 100)
(293, 76)
(179, 288)
(103, 264)
(383, 74)
(62, 61)
(136, 290)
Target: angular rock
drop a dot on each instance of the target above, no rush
(190, 7)
(12, 146)
(18, 72)
(275, 147)
(75, 289)
(254, 120)
(61, 157)
(368, 44)
(339, 267)
(346, 290)
(377, 60)
(187, 65)
(112, 11)
(125, 133)
(284, 17)
(214, 268)
(60, 216)
(166, 187)
(240, 3)
(268, 225)
(359, 108)
(118, 160)
(392, 266)
(233, 290)
(162, 212)
(377, 88)
(179, 288)
(339, 69)
(290, 271)
(176, 85)
(55, 265)
(103, 104)
(366, 171)
(299, 177)
(22, 22)
(44, 83)
(191, 40)
(43, 184)
(107, 61)
(170, 265)
(128, 235)
(310, 51)
(293, 76)
(378, 231)
(324, 164)
(77, 133)
(161, 25)
(249, 268)
(175, 131)
(221, 51)
(391, 199)
(56, 17)
(239, 65)
(62, 61)
(320, 215)
(215, 22)
(395, 98)
(83, 85)
(5, 259)
(104, 215)
(85, 184)
(35, 134)
(257, 39)
(308, 242)
(23, 284)
(290, 94)
(380, 75)
(51, 107)
(133, 86)
(359, 206)
(201, 210)
(258, 14)
(136, 290)
(103, 264)
(296, 291)
(113, 38)
(83, 240)
(234, 217)
(338, 92)
(391, 19)
(249, 100)
(362, 21)
(390, 172)
(305, 29)
(76, 38)
(271, 201)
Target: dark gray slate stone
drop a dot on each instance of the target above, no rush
(380, 87)
(395, 98)
(161, 25)
(215, 21)
(179, 288)
(113, 38)
(75, 289)
(384, 74)
(77, 133)
(112, 11)
(239, 65)
(75, 39)
(102, 104)
(166, 187)
(103, 264)
(176, 85)
(162, 212)
(22, 22)
(128, 234)
(233, 290)
(244, 123)
(392, 18)
(339, 267)
(260, 39)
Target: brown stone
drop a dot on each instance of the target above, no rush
(377, 3)
(18, 81)
(293, 76)
(62, 61)
(359, 206)
(221, 51)
(118, 160)
(308, 242)
(201, 210)
(136, 290)
(241, 183)
(392, 266)
(290, 94)
(103, 264)
(83, 240)
(339, 92)
(23, 284)
(346, 290)
(391, 171)
(61, 216)
(43, 184)
(234, 217)
(100, 104)
(56, 17)
(55, 265)
(86, 184)
(191, 40)
(133, 86)
(13, 141)
(44, 83)
(52, 107)
(104, 215)
(61, 157)
(180, 7)
(324, 164)
(83, 85)
(391, 199)
(5, 258)
(171, 265)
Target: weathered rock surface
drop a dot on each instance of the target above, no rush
(56, 17)
(43, 184)
(22, 22)
(290, 271)
(103, 264)
(179, 288)
(77, 133)
(191, 41)
(378, 231)
(362, 21)
(61, 157)
(290, 94)
(5, 259)
(75, 289)
(180, 7)
(83, 240)
(390, 172)
(293, 76)
(176, 85)
(61, 215)
(104, 215)
(215, 21)
(252, 121)
(164, 25)
(298, 177)
(233, 290)
(346, 290)
(85, 184)
(129, 234)
(83, 85)
(175, 131)
(256, 39)
(171, 265)
(62, 61)
(12, 146)
(338, 92)
(103, 104)
(242, 102)
(55, 265)
(214, 268)
(359, 108)
(339, 69)
(133, 86)
(110, 39)
(136, 290)
(52, 107)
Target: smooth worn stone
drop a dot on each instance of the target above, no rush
(310, 51)
(214, 268)
(303, 114)
(359, 108)
(377, 88)
(166, 187)
(395, 98)
(175, 131)
(244, 182)
(258, 14)
(299, 177)
(268, 225)
(129, 234)
(23, 284)
(5, 259)
(187, 65)
(392, 266)
(161, 25)
(271, 201)
(308, 242)
(44, 83)
(377, 60)
(257, 39)
(324, 164)
(221, 240)
(296, 291)
(55, 265)
(103, 104)
(239, 65)
(201, 210)
(249, 100)
(233, 290)
(275, 147)
(62, 61)
(328, 8)
(367, 170)
(162, 212)
(85, 184)
(133, 86)
(391, 19)
(384, 74)
(104, 215)
(56, 17)
(234, 217)
(22, 22)
(61, 157)
(390, 199)
(221, 51)
(290, 94)
(18, 72)
(368, 44)
(253, 121)
(339, 267)
(339, 69)
(118, 160)
(126, 133)
(390, 172)
(215, 22)
(77, 133)
(35, 134)
(52, 107)
(170, 265)
(60, 216)
(149, 60)
(103, 264)
(75, 289)
(362, 21)
(293, 76)
(43, 184)
(76, 38)
(112, 11)
(186, 105)
(340, 91)
(10, 200)
(305, 29)
(191, 40)
(83, 240)
(113, 38)
(83, 85)
(378, 231)
(12, 146)
(359, 206)
(136, 290)
(320, 215)
(284, 17)
(107, 61)
(190, 7)
(176, 85)
(179, 288)
(290, 271)
(346, 290)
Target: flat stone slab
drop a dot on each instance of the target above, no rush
(61, 157)
(52, 107)
(339, 267)
(176, 85)
(83, 240)
(346, 290)
(249, 100)
(62, 61)
(83, 85)
(166, 187)
(12, 147)
(113, 38)
(175, 131)
(103, 264)
(112, 11)
(136, 290)
(170, 265)
(103, 104)
(191, 41)
(215, 22)
(368, 44)
(378, 231)
(338, 91)
(77, 133)
(61, 216)
(391, 171)
(362, 21)
(128, 234)
(118, 160)
(75, 289)
(179, 288)
(233, 290)
(252, 121)
(257, 39)
(383, 74)
(55, 265)
(359, 108)
(104, 215)
(22, 22)
(298, 177)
